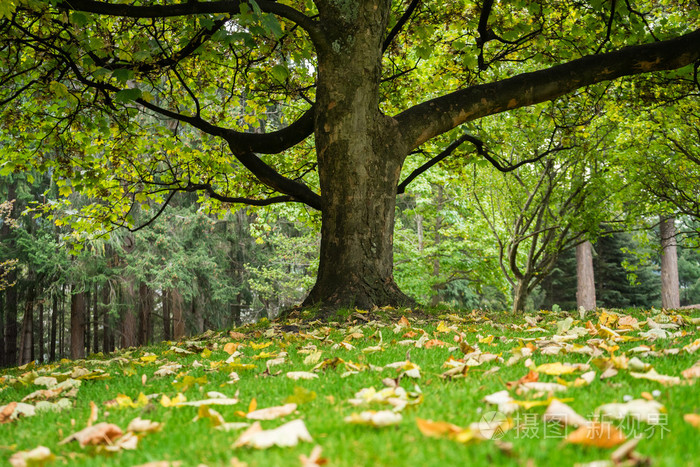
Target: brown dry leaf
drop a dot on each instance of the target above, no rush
(231, 347)
(272, 413)
(647, 411)
(102, 433)
(627, 322)
(693, 419)
(693, 372)
(562, 413)
(36, 457)
(530, 377)
(286, 435)
(434, 343)
(404, 322)
(598, 434)
(314, 458)
(236, 335)
(94, 412)
(7, 411)
(128, 442)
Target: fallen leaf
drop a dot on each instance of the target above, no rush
(437, 429)
(139, 425)
(503, 400)
(35, 457)
(652, 375)
(286, 435)
(693, 419)
(207, 413)
(373, 418)
(598, 434)
(271, 413)
(562, 413)
(647, 411)
(297, 375)
(314, 458)
(102, 433)
(6, 412)
(555, 369)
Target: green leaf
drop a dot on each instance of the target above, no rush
(272, 25)
(123, 75)
(280, 73)
(126, 95)
(79, 19)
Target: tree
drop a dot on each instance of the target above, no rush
(585, 276)
(338, 66)
(670, 287)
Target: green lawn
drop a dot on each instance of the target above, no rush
(484, 350)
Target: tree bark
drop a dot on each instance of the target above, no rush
(165, 306)
(26, 341)
(95, 322)
(520, 294)
(359, 158)
(585, 283)
(54, 326)
(670, 288)
(145, 310)
(10, 352)
(77, 325)
(88, 341)
(40, 332)
(176, 307)
(106, 325)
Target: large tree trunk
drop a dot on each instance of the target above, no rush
(77, 325)
(585, 290)
(95, 322)
(670, 288)
(107, 334)
(359, 155)
(10, 351)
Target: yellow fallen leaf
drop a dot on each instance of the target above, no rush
(296, 375)
(560, 412)
(555, 369)
(598, 434)
(207, 413)
(149, 358)
(256, 346)
(652, 375)
(166, 401)
(437, 429)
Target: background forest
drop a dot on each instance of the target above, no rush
(124, 220)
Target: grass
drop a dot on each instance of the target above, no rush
(459, 401)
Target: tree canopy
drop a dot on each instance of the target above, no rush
(322, 103)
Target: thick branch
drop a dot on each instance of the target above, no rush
(436, 116)
(189, 8)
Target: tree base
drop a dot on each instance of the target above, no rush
(363, 295)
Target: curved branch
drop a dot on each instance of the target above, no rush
(436, 116)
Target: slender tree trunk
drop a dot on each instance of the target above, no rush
(62, 328)
(77, 325)
(357, 143)
(95, 322)
(585, 290)
(11, 321)
(439, 203)
(40, 332)
(129, 329)
(106, 328)
(54, 325)
(198, 317)
(145, 309)
(670, 288)
(176, 307)
(26, 341)
(165, 305)
(2, 329)
(88, 341)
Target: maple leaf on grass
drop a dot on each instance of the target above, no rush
(101, 433)
(271, 413)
